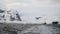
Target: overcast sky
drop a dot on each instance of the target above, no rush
(33, 7)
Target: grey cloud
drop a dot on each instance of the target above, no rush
(55, 1)
(2, 5)
(36, 9)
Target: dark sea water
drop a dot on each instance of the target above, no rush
(43, 29)
(29, 29)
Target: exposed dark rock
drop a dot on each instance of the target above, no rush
(44, 23)
(1, 11)
(38, 17)
(55, 22)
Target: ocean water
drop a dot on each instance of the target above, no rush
(43, 29)
(29, 29)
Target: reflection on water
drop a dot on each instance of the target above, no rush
(42, 29)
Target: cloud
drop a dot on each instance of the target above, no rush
(16, 5)
(30, 3)
(30, 7)
(56, 1)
